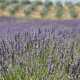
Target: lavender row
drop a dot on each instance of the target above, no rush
(52, 48)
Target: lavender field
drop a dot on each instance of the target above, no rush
(39, 49)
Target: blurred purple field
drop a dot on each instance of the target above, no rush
(13, 25)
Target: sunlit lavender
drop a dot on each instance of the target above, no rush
(43, 50)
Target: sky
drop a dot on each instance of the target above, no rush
(65, 0)
(74, 1)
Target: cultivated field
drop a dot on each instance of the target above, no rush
(39, 49)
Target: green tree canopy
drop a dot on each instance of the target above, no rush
(59, 9)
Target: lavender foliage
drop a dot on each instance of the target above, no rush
(42, 49)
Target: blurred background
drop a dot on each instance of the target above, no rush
(41, 9)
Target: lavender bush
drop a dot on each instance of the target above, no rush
(41, 51)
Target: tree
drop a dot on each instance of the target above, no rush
(59, 9)
(27, 2)
(2, 1)
(77, 4)
(28, 11)
(12, 11)
(26, 5)
(73, 13)
(72, 10)
(3, 6)
(14, 1)
(50, 4)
